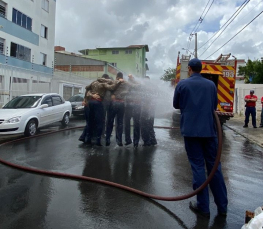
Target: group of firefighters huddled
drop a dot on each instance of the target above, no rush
(107, 100)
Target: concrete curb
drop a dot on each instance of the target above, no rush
(247, 136)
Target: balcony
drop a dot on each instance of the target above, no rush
(12, 61)
(18, 31)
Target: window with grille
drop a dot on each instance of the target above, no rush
(43, 31)
(20, 52)
(2, 9)
(128, 51)
(45, 5)
(2, 45)
(22, 19)
(115, 51)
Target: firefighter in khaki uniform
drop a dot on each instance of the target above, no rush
(250, 100)
(95, 93)
(117, 109)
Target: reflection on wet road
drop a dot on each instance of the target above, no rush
(34, 201)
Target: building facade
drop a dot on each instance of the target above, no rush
(27, 36)
(80, 65)
(27, 33)
(129, 60)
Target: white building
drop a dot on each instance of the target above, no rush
(27, 32)
(27, 36)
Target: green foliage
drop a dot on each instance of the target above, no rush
(169, 74)
(253, 69)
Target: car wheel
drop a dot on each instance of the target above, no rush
(65, 120)
(31, 128)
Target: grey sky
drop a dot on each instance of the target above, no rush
(163, 25)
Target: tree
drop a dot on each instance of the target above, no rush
(253, 71)
(169, 74)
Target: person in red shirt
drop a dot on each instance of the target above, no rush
(250, 100)
(261, 122)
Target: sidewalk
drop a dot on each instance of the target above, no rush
(254, 135)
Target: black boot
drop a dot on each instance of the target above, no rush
(128, 143)
(107, 142)
(88, 142)
(98, 143)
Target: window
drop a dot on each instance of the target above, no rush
(43, 31)
(22, 19)
(47, 101)
(56, 100)
(45, 5)
(2, 9)
(115, 51)
(114, 64)
(43, 59)
(128, 51)
(2, 45)
(20, 52)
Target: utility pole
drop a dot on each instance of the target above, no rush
(195, 45)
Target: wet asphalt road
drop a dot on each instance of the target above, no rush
(35, 201)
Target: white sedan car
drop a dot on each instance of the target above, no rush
(26, 113)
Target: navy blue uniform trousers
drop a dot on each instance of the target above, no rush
(95, 120)
(83, 136)
(202, 151)
(132, 111)
(252, 111)
(116, 109)
(147, 129)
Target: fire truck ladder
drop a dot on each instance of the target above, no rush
(222, 58)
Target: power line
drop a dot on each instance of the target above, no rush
(200, 20)
(225, 28)
(205, 15)
(236, 34)
(224, 24)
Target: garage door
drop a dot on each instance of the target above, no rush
(68, 91)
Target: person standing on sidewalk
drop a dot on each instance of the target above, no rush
(250, 100)
(196, 97)
(261, 121)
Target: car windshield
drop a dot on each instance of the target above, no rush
(76, 98)
(23, 102)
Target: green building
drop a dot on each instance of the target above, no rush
(129, 60)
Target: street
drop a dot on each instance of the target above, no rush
(35, 201)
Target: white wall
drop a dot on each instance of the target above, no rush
(244, 89)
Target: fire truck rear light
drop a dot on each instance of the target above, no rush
(228, 108)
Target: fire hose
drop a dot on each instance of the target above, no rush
(120, 186)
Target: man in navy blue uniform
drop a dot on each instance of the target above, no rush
(196, 97)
